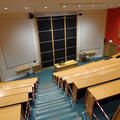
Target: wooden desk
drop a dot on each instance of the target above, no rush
(73, 70)
(15, 92)
(13, 99)
(100, 92)
(10, 113)
(65, 65)
(59, 76)
(19, 82)
(117, 114)
(88, 71)
(101, 77)
(116, 55)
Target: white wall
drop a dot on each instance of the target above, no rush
(8, 73)
(90, 35)
(90, 31)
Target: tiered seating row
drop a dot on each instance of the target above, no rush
(16, 92)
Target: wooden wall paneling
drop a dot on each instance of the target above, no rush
(52, 40)
(65, 38)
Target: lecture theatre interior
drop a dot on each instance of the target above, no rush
(59, 59)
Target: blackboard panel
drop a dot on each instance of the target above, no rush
(44, 25)
(57, 17)
(47, 64)
(58, 24)
(45, 36)
(71, 42)
(47, 56)
(70, 33)
(60, 54)
(46, 46)
(43, 18)
(59, 34)
(70, 21)
(71, 51)
(59, 44)
(60, 60)
(71, 57)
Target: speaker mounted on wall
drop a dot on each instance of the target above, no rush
(31, 16)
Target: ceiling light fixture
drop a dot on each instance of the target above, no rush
(26, 8)
(79, 5)
(5, 8)
(45, 7)
(104, 5)
(64, 6)
(92, 5)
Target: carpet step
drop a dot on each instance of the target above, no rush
(52, 102)
(47, 89)
(53, 106)
(46, 94)
(53, 115)
(67, 116)
(47, 101)
(49, 97)
(52, 110)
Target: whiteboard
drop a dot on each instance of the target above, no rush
(90, 31)
(16, 36)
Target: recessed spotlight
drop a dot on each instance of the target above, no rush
(104, 5)
(45, 7)
(79, 5)
(64, 6)
(92, 5)
(5, 8)
(26, 8)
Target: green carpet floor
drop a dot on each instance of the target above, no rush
(51, 103)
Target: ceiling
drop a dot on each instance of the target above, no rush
(54, 6)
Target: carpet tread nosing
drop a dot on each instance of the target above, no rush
(53, 102)
(50, 100)
(65, 116)
(48, 93)
(52, 110)
(55, 113)
(41, 95)
(59, 115)
(47, 89)
(52, 106)
(51, 95)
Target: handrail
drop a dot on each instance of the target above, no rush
(100, 107)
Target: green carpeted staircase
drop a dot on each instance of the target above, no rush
(52, 104)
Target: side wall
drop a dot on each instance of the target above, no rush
(91, 32)
(113, 27)
(10, 73)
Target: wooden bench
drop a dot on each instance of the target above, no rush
(10, 113)
(101, 77)
(89, 70)
(100, 92)
(60, 75)
(116, 55)
(15, 92)
(117, 114)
